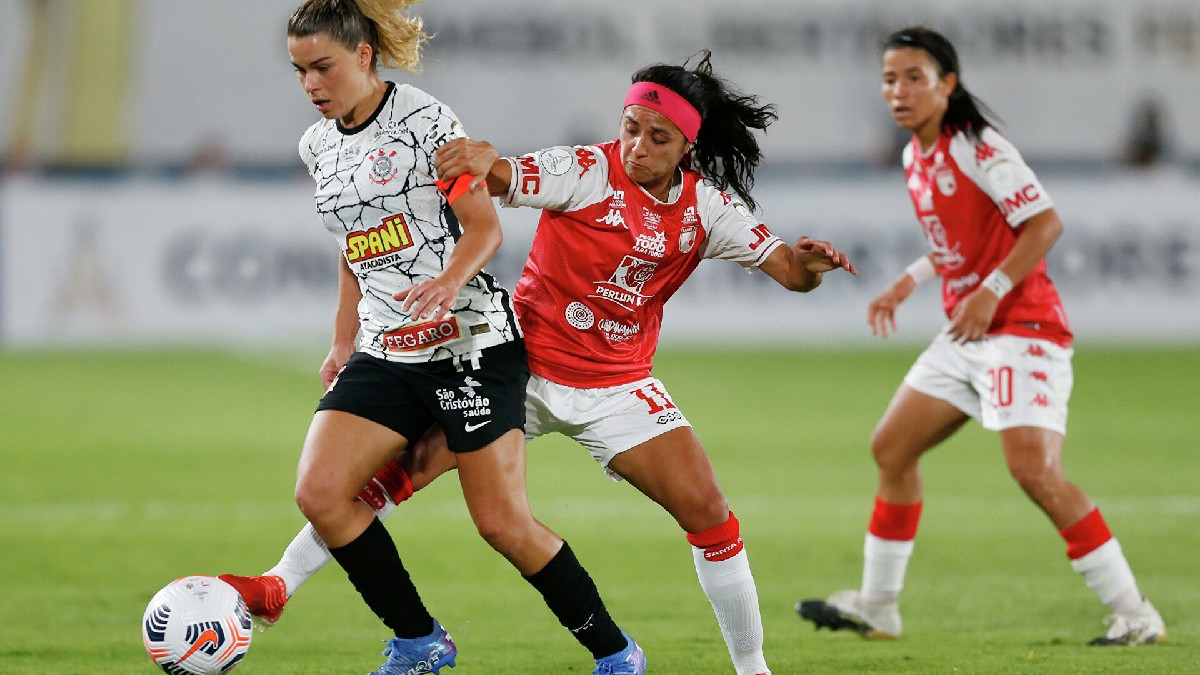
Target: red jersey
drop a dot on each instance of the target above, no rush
(607, 255)
(971, 198)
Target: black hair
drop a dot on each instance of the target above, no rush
(726, 151)
(965, 113)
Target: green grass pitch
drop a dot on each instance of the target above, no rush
(121, 471)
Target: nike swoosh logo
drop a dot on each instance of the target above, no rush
(468, 427)
(208, 637)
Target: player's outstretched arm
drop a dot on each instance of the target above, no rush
(801, 266)
(881, 313)
(463, 156)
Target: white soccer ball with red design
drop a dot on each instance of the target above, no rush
(197, 625)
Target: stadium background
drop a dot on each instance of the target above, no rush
(154, 193)
(166, 292)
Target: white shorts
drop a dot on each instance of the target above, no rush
(607, 420)
(1004, 381)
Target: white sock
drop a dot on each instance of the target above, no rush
(307, 554)
(1108, 574)
(885, 562)
(302, 558)
(730, 588)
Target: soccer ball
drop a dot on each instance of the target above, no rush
(197, 626)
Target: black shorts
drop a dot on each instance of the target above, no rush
(474, 401)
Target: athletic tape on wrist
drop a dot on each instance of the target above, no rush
(998, 283)
(921, 270)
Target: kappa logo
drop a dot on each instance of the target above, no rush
(983, 152)
(587, 159)
(613, 218)
(1039, 376)
(1041, 401)
(1035, 350)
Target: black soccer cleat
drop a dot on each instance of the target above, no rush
(843, 611)
(824, 615)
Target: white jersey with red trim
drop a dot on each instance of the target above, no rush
(607, 255)
(376, 195)
(971, 197)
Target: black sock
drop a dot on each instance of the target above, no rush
(573, 597)
(373, 565)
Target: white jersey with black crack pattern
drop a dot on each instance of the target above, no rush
(375, 193)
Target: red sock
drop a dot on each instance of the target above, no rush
(1087, 535)
(721, 542)
(392, 481)
(896, 522)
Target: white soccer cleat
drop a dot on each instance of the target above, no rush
(1143, 627)
(848, 610)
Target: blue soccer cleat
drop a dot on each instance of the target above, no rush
(628, 661)
(420, 655)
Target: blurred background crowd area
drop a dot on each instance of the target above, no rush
(151, 190)
(206, 84)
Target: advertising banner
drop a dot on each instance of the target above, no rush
(148, 262)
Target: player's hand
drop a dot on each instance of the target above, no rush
(429, 300)
(465, 156)
(821, 256)
(333, 364)
(881, 313)
(971, 318)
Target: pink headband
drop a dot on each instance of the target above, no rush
(671, 105)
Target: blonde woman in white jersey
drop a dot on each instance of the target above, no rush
(437, 339)
(624, 224)
(1003, 359)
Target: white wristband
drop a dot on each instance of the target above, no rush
(921, 270)
(998, 282)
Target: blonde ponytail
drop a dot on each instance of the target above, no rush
(400, 36)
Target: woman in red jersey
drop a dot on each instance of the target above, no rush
(623, 225)
(1003, 359)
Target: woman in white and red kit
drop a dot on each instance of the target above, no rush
(623, 225)
(1003, 359)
